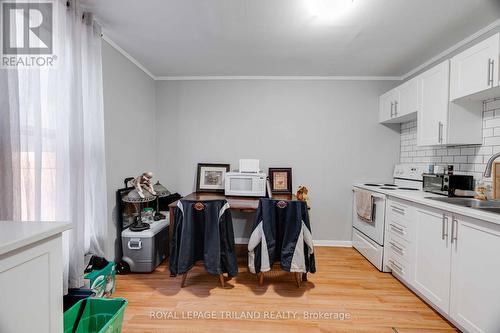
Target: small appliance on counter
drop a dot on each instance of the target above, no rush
(248, 181)
(449, 184)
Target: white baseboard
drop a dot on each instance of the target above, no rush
(241, 240)
(333, 243)
(318, 242)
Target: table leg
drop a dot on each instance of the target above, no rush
(171, 225)
(170, 234)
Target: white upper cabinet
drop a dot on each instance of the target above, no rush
(408, 98)
(433, 103)
(399, 104)
(441, 122)
(386, 106)
(447, 99)
(476, 70)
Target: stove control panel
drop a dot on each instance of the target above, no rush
(408, 171)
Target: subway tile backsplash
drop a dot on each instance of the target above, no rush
(465, 159)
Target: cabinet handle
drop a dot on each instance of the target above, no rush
(397, 229)
(398, 267)
(444, 228)
(397, 248)
(440, 132)
(398, 210)
(392, 104)
(454, 230)
(395, 108)
(491, 72)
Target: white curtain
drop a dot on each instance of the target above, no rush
(52, 140)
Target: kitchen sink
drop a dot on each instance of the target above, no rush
(487, 205)
(491, 209)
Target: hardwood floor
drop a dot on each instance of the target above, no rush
(345, 284)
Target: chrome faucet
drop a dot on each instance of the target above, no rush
(487, 171)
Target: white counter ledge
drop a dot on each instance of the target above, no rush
(15, 234)
(420, 197)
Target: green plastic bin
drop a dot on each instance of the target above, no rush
(102, 282)
(101, 315)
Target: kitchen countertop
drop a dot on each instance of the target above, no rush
(16, 234)
(420, 197)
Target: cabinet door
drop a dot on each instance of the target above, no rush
(475, 288)
(475, 69)
(432, 257)
(408, 98)
(32, 288)
(386, 106)
(433, 87)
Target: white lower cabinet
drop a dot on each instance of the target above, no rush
(453, 262)
(432, 260)
(475, 273)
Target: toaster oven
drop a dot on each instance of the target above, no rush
(447, 184)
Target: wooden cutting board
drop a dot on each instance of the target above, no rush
(495, 180)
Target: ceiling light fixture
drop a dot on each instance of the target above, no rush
(328, 11)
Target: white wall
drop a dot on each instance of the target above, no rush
(327, 131)
(129, 118)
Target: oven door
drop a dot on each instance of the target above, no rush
(375, 229)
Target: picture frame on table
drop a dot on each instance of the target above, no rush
(211, 176)
(281, 180)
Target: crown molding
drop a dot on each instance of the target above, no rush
(452, 49)
(283, 77)
(417, 69)
(128, 56)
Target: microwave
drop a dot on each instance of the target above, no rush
(245, 184)
(447, 184)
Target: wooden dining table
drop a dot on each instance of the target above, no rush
(242, 204)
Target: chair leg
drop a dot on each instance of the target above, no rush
(183, 281)
(261, 278)
(221, 279)
(298, 278)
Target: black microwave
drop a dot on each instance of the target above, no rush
(447, 184)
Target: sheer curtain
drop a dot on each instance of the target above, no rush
(52, 140)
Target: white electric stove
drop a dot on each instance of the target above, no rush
(368, 237)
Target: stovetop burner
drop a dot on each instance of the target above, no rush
(388, 188)
(391, 185)
(408, 188)
(372, 184)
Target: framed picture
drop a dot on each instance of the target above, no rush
(211, 177)
(281, 180)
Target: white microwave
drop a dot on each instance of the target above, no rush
(245, 184)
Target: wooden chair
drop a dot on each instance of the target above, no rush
(299, 277)
(184, 277)
(200, 207)
(280, 204)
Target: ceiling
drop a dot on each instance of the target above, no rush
(288, 37)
